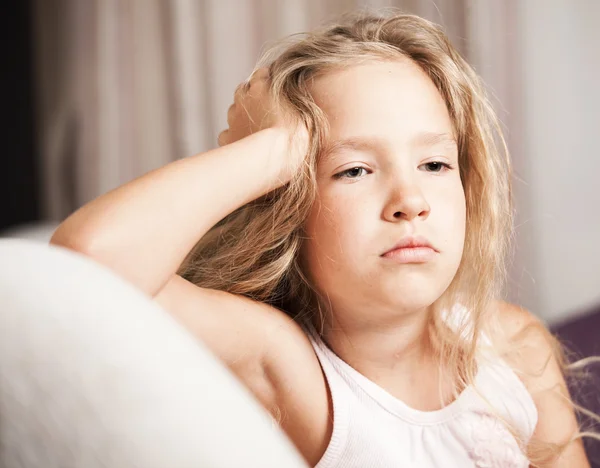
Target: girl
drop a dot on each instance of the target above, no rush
(342, 251)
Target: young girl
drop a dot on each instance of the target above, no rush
(342, 252)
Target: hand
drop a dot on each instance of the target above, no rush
(253, 110)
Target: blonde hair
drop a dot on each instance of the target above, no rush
(255, 251)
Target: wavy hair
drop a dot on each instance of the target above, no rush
(256, 250)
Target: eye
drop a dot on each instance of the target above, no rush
(352, 173)
(437, 166)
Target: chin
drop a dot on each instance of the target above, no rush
(411, 294)
(414, 304)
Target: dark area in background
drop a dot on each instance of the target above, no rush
(19, 183)
(581, 336)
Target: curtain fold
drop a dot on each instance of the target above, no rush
(126, 86)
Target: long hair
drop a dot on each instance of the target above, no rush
(256, 250)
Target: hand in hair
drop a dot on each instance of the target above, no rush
(255, 109)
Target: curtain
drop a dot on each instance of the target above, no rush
(126, 86)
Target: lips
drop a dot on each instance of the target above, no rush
(411, 242)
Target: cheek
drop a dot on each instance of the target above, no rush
(336, 233)
(459, 226)
(456, 206)
(450, 215)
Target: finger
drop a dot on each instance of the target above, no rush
(262, 72)
(240, 90)
(222, 138)
(259, 75)
(230, 112)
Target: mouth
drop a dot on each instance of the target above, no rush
(411, 250)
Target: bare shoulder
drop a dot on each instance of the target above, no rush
(267, 350)
(534, 350)
(537, 358)
(515, 319)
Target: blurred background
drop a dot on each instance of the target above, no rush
(97, 92)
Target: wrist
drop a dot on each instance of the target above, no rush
(279, 150)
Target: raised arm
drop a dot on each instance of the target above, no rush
(144, 229)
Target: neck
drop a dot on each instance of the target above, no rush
(397, 356)
(379, 350)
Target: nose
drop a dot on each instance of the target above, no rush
(406, 202)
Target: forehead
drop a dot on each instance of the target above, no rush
(393, 100)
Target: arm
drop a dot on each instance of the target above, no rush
(144, 229)
(542, 375)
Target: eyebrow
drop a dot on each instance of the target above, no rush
(432, 138)
(422, 139)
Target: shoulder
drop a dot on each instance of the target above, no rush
(530, 347)
(303, 404)
(267, 351)
(523, 341)
(516, 320)
(536, 357)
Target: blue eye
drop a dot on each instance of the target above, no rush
(350, 173)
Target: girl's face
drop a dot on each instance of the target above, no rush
(389, 172)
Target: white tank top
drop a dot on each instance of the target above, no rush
(374, 429)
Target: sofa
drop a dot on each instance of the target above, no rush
(94, 374)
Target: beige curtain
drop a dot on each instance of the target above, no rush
(126, 86)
